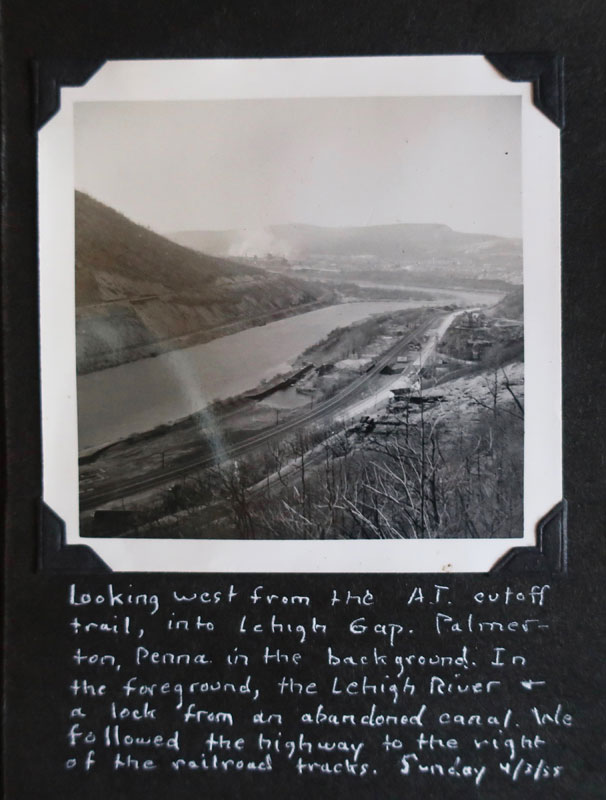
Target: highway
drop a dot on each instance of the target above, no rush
(408, 375)
(123, 489)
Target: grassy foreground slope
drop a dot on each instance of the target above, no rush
(138, 294)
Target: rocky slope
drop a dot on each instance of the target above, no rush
(139, 294)
(511, 306)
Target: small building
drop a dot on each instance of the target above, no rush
(401, 392)
(325, 369)
(471, 319)
(427, 398)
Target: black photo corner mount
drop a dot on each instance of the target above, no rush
(549, 555)
(48, 78)
(546, 73)
(543, 70)
(58, 558)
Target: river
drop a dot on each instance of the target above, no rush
(140, 395)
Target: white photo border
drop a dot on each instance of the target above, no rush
(164, 80)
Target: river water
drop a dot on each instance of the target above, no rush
(135, 397)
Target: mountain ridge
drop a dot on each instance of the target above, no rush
(393, 240)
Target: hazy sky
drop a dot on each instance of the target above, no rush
(337, 162)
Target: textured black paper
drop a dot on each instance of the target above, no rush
(45, 42)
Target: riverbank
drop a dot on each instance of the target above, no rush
(151, 392)
(126, 355)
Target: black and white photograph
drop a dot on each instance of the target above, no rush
(300, 318)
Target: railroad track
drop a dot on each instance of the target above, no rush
(127, 488)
